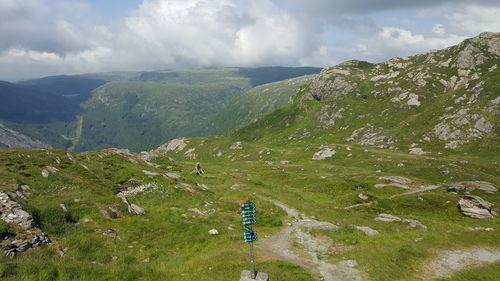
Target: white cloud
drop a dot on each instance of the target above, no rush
(472, 20)
(45, 37)
(438, 29)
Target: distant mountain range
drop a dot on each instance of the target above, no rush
(135, 110)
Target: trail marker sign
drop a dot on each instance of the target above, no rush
(249, 235)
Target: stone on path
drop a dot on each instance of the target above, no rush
(261, 276)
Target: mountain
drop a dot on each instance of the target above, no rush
(133, 110)
(353, 179)
(444, 100)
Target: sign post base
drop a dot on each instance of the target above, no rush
(261, 276)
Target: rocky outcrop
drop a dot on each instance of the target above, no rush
(30, 237)
(475, 207)
(11, 212)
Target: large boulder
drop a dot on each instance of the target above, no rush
(475, 207)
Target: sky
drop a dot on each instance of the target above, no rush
(52, 37)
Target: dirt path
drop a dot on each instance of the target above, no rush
(452, 261)
(311, 248)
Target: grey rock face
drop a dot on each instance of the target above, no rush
(11, 212)
(475, 207)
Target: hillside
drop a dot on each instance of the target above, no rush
(377, 172)
(442, 101)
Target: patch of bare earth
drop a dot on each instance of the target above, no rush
(281, 246)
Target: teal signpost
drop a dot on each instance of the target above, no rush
(249, 235)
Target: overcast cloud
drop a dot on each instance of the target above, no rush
(47, 37)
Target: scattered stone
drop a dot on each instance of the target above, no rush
(187, 187)
(479, 229)
(149, 173)
(132, 208)
(114, 258)
(146, 260)
(284, 162)
(236, 186)
(202, 186)
(475, 207)
(381, 185)
(171, 175)
(323, 154)
(196, 211)
(472, 185)
(362, 196)
(137, 189)
(236, 146)
(63, 207)
(397, 179)
(213, 232)
(368, 231)
(392, 218)
(418, 239)
(45, 173)
(417, 151)
(190, 153)
(260, 276)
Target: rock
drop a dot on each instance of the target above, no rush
(479, 229)
(132, 208)
(381, 185)
(472, 185)
(149, 173)
(171, 175)
(63, 207)
(187, 187)
(260, 276)
(368, 231)
(137, 189)
(196, 211)
(190, 154)
(11, 212)
(392, 218)
(213, 232)
(398, 179)
(45, 173)
(175, 145)
(236, 186)
(236, 146)
(417, 151)
(475, 207)
(12, 138)
(362, 196)
(323, 154)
